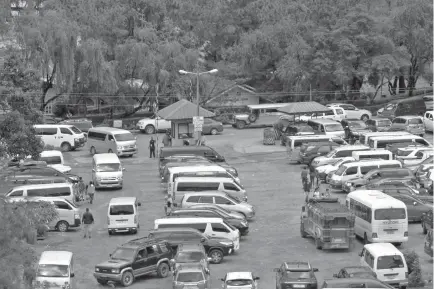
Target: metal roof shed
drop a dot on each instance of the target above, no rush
(303, 108)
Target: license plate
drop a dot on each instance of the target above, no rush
(389, 232)
(338, 240)
(298, 286)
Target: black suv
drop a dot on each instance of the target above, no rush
(241, 224)
(353, 128)
(133, 259)
(216, 248)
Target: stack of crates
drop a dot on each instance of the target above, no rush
(269, 136)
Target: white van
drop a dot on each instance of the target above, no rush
(54, 159)
(57, 268)
(337, 153)
(123, 215)
(366, 136)
(327, 126)
(387, 262)
(65, 137)
(355, 170)
(200, 171)
(215, 227)
(57, 190)
(111, 140)
(374, 155)
(381, 142)
(107, 171)
(195, 184)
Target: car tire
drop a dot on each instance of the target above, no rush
(92, 151)
(252, 117)
(365, 117)
(110, 151)
(163, 270)
(216, 256)
(65, 147)
(213, 131)
(365, 239)
(318, 244)
(240, 124)
(424, 229)
(149, 129)
(102, 282)
(127, 279)
(62, 226)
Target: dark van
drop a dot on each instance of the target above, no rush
(399, 107)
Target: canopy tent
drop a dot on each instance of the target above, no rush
(307, 107)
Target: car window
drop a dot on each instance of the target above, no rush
(415, 121)
(222, 201)
(343, 153)
(49, 131)
(141, 254)
(324, 149)
(18, 193)
(197, 187)
(64, 130)
(152, 250)
(365, 169)
(206, 200)
(339, 111)
(351, 171)
(193, 199)
(216, 227)
(230, 186)
(62, 205)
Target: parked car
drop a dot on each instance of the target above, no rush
(394, 147)
(323, 171)
(353, 112)
(190, 254)
(54, 159)
(82, 124)
(410, 152)
(379, 124)
(399, 107)
(153, 124)
(356, 282)
(428, 120)
(232, 214)
(241, 280)
(145, 255)
(427, 221)
(191, 276)
(421, 155)
(295, 275)
(353, 128)
(313, 150)
(355, 271)
(211, 126)
(410, 123)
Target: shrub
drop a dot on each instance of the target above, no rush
(414, 269)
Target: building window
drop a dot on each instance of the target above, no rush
(185, 131)
(48, 109)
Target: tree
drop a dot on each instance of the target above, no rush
(412, 32)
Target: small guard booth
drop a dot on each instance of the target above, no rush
(181, 115)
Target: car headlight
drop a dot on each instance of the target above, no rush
(76, 139)
(115, 271)
(96, 269)
(244, 223)
(227, 243)
(119, 147)
(76, 216)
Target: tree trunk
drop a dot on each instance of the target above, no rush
(144, 99)
(401, 84)
(356, 84)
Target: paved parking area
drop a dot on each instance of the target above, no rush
(273, 186)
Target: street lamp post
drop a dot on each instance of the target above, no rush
(197, 74)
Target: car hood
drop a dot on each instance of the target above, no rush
(113, 263)
(61, 168)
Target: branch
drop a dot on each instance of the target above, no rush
(142, 101)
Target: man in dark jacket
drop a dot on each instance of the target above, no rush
(152, 148)
(87, 221)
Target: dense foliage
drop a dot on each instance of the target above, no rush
(100, 46)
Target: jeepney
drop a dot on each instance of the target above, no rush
(330, 223)
(428, 246)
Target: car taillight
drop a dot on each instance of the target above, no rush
(135, 219)
(374, 235)
(405, 234)
(108, 221)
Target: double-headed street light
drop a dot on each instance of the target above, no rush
(197, 85)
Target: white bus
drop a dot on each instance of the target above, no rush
(366, 136)
(379, 217)
(381, 142)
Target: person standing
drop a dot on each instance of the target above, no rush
(168, 204)
(304, 174)
(91, 192)
(152, 148)
(312, 175)
(167, 141)
(87, 221)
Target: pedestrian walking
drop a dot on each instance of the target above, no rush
(304, 174)
(90, 190)
(87, 221)
(312, 175)
(152, 148)
(168, 201)
(167, 140)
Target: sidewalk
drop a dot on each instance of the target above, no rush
(250, 146)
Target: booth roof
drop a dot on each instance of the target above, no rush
(303, 107)
(183, 109)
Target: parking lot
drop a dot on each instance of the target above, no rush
(273, 186)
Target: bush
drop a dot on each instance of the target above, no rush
(414, 269)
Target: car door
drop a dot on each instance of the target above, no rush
(339, 114)
(351, 111)
(207, 126)
(50, 136)
(206, 200)
(151, 258)
(65, 135)
(139, 263)
(219, 230)
(411, 210)
(65, 213)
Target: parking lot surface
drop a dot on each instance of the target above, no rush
(273, 186)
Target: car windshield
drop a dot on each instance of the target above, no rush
(233, 199)
(124, 136)
(298, 274)
(49, 270)
(76, 130)
(403, 153)
(54, 160)
(333, 127)
(390, 214)
(384, 123)
(189, 257)
(415, 121)
(71, 204)
(121, 210)
(108, 167)
(239, 282)
(123, 254)
(340, 171)
(389, 262)
(339, 162)
(189, 277)
(357, 124)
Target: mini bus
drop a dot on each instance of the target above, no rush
(379, 217)
(366, 136)
(381, 142)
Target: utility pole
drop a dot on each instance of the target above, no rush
(310, 92)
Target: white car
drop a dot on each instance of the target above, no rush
(335, 113)
(421, 155)
(54, 159)
(428, 120)
(240, 280)
(411, 152)
(153, 124)
(323, 171)
(352, 111)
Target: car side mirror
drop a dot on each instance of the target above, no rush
(72, 275)
(315, 269)
(276, 270)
